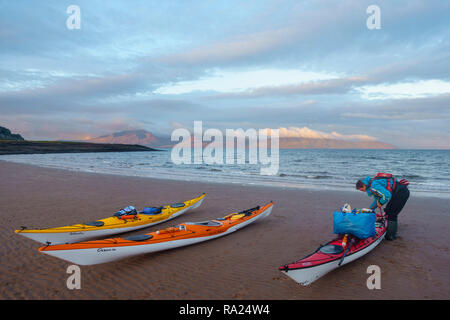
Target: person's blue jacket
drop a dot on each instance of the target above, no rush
(378, 191)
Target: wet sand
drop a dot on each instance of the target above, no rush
(242, 265)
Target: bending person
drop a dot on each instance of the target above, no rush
(386, 190)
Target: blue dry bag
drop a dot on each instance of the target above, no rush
(152, 210)
(361, 225)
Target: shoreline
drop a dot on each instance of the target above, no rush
(242, 265)
(423, 194)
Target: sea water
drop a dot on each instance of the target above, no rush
(428, 171)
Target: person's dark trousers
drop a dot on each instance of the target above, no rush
(397, 202)
(393, 208)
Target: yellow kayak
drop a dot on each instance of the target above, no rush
(111, 225)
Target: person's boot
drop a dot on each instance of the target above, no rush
(391, 232)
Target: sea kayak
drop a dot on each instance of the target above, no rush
(102, 251)
(111, 225)
(336, 253)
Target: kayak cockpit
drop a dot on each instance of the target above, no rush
(141, 237)
(95, 223)
(209, 223)
(331, 249)
(177, 205)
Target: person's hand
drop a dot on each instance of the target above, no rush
(379, 205)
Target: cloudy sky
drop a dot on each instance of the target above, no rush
(309, 67)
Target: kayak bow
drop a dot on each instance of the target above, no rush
(109, 226)
(102, 251)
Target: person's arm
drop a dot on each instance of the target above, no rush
(380, 193)
(374, 204)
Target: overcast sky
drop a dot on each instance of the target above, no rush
(305, 66)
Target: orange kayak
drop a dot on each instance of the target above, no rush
(107, 250)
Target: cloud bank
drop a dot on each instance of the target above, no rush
(151, 64)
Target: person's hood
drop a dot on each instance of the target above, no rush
(366, 180)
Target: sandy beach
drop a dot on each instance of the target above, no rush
(243, 265)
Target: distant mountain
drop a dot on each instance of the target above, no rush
(141, 137)
(145, 138)
(5, 134)
(310, 143)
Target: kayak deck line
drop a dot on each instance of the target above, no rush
(107, 250)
